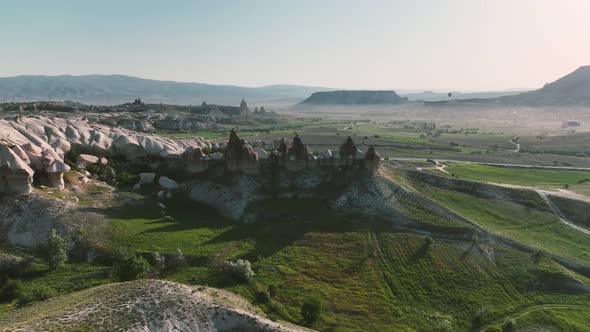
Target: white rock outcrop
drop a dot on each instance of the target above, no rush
(60, 134)
(87, 159)
(40, 142)
(16, 176)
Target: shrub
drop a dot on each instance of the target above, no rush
(11, 265)
(34, 294)
(262, 296)
(131, 268)
(126, 179)
(272, 290)
(428, 241)
(240, 269)
(311, 310)
(57, 249)
(103, 173)
(10, 289)
(509, 325)
(481, 317)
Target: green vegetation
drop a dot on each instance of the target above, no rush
(516, 176)
(538, 229)
(57, 249)
(130, 267)
(311, 310)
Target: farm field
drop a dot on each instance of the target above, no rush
(517, 176)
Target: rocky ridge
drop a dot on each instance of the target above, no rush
(144, 305)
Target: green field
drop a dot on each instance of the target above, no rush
(516, 176)
(369, 277)
(538, 229)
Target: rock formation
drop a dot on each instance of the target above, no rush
(41, 143)
(298, 150)
(193, 159)
(239, 155)
(244, 107)
(348, 149)
(16, 176)
(55, 174)
(87, 159)
(372, 158)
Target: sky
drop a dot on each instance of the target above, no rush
(463, 45)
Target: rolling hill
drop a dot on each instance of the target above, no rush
(118, 89)
(572, 89)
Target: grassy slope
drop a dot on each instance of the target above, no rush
(517, 176)
(535, 228)
(368, 276)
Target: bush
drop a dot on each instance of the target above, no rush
(262, 297)
(13, 266)
(10, 290)
(241, 269)
(509, 325)
(131, 268)
(428, 241)
(103, 173)
(57, 249)
(311, 310)
(481, 317)
(126, 179)
(34, 294)
(272, 290)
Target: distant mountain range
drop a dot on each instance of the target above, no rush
(352, 97)
(118, 89)
(570, 90)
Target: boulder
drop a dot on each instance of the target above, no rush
(167, 183)
(146, 178)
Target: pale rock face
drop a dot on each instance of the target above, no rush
(230, 200)
(21, 154)
(55, 174)
(87, 159)
(167, 183)
(15, 175)
(60, 134)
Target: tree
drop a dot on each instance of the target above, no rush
(57, 247)
(311, 310)
(131, 267)
(450, 94)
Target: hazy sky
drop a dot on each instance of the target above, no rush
(373, 44)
